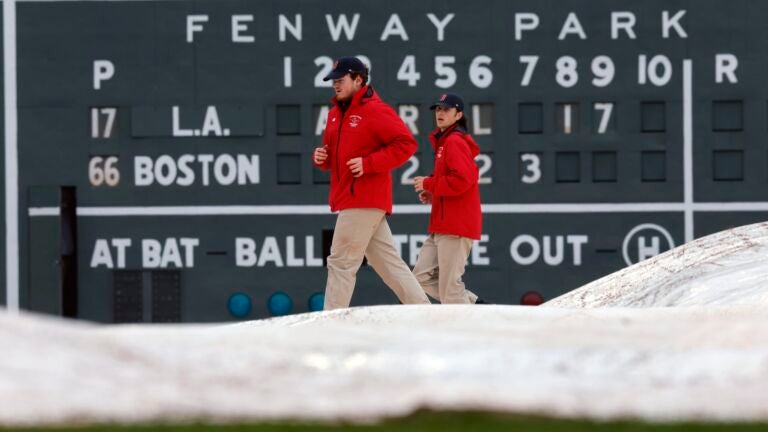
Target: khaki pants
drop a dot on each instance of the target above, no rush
(365, 232)
(440, 267)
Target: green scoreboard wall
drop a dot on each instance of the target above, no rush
(164, 147)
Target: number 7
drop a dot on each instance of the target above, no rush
(607, 109)
(530, 65)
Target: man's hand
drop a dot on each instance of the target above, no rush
(418, 183)
(356, 166)
(321, 154)
(425, 197)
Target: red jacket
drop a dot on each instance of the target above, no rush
(367, 128)
(454, 185)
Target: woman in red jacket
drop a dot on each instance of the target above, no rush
(453, 191)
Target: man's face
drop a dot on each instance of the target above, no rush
(446, 117)
(345, 87)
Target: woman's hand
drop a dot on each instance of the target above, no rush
(425, 197)
(418, 183)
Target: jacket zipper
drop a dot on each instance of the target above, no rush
(338, 144)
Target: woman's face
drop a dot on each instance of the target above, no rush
(446, 117)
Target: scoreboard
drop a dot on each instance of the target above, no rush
(157, 162)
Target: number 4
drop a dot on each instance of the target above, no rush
(407, 71)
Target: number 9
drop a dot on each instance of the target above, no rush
(604, 70)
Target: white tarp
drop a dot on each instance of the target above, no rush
(726, 268)
(365, 363)
(708, 361)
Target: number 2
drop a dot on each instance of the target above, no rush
(407, 177)
(485, 163)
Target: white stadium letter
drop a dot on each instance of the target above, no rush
(193, 26)
(525, 21)
(102, 71)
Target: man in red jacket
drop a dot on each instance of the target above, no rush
(364, 141)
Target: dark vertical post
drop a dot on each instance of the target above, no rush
(68, 250)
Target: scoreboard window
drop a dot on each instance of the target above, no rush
(288, 169)
(567, 167)
(603, 117)
(567, 118)
(653, 166)
(653, 117)
(288, 119)
(727, 116)
(530, 117)
(728, 165)
(604, 166)
(482, 119)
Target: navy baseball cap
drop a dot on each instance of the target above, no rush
(345, 65)
(449, 100)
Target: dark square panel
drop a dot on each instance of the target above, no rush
(604, 166)
(728, 165)
(653, 166)
(653, 117)
(567, 167)
(727, 116)
(530, 118)
(288, 118)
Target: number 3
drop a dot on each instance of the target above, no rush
(533, 166)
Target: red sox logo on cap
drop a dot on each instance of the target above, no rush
(442, 98)
(335, 64)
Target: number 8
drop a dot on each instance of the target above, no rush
(567, 76)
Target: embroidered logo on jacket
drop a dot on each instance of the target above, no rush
(439, 152)
(354, 120)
